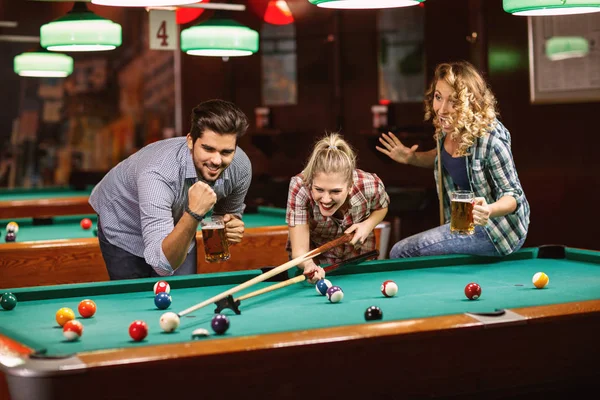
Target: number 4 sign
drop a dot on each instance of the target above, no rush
(162, 30)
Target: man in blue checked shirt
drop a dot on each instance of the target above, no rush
(150, 204)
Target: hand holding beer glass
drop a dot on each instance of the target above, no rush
(216, 248)
(461, 218)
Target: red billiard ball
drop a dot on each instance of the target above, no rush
(86, 223)
(87, 308)
(138, 330)
(473, 291)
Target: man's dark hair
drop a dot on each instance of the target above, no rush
(219, 116)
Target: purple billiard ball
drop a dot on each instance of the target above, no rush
(162, 300)
(220, 324)
(335, 294)
(10, 236)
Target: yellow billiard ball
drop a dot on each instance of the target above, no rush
(64, 315)
(540, 280)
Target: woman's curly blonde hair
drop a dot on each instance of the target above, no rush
(474, 103)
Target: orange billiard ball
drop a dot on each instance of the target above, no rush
(72, 330)
(86, 223)
(64, 315)
(87, 308)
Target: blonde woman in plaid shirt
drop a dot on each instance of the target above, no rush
(476, 155)
(331, 197)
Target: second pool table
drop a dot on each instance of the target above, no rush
(293, 343)
(44, 202)
(63, 252)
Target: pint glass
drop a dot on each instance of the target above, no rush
(216, 248)
(461, 219)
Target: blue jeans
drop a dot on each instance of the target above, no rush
(121, 264)
(440, 241)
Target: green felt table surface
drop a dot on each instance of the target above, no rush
(68, 227)
(428, 286)
(42, 193)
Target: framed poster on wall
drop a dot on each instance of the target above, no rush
(564, 58)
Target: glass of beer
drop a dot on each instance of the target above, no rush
(216, 248)
(461, 219)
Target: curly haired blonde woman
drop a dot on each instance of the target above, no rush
(474, 150)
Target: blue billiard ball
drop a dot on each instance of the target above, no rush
(162, 300)
(220, 324)
(322, 286)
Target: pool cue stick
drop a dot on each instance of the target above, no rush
(283, 267)
(230, 302)
(440, 181)
(303, 277)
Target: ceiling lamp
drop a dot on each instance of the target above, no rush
(80, 30)
(143, 3)
(43, 63)
(564, 47)
(550, 7)
(219, 37)
(278, 13)
(364, 4)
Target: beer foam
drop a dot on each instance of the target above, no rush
(462, 200)
(213, 225)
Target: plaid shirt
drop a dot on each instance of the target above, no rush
(492, 174)
(366, 195)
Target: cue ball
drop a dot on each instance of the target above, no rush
(162, 300)
(161, 286)
(220, 324)
(540, 280)
(169, 321)
(322, 286)
(200, 333)
(72, 330)
(473, 291)
(86, 223)
(63, 315)
(8, 301)
(138, 330)
(86, 308)
(389, 288)
(335, 294)
(373, 313)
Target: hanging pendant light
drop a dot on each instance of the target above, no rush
(42, 63)
(80, 30)
(143, 3)
(278, 13)
(564, 47)
(550, 7)
(219, 37)
(364, 4)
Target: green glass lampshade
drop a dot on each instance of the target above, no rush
(564, 47)
(143, 3)
(364, 4)
(219, 38)
(550, 7)
(80, 30)
(43, 64)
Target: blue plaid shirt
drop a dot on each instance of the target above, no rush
(492, 174)
(141, 199)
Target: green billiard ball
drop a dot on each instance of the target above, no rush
(96, 232)
(8, 301)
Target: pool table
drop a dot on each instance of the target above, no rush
(44, 202)
(514, 341)
(63, 252)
